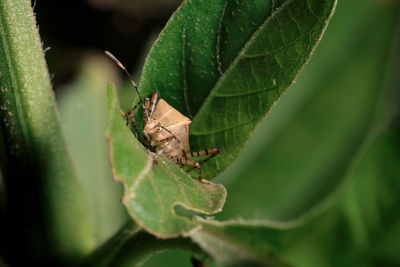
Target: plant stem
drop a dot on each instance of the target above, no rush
(137, 249)
(46, 207)
(104, 254)
(131, 245)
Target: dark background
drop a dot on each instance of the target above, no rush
(71, 29)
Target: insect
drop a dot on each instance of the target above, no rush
(166, 130)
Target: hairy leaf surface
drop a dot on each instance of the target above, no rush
(47, 208)
(224, 63)
(308, 143)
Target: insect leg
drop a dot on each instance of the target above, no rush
(195, 164)
(129, 116)
(162, 150)
(146, 109)
(184, 160)
(170, 140)
(154, 98)
(211, 152)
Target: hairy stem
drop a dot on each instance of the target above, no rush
(46, 207)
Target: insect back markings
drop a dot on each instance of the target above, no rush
(165, 130)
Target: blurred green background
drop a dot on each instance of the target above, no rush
(330, 143)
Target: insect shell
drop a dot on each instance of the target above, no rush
(166, 130)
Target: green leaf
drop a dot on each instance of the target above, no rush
(237, 244)
(359, 229)
(358, 224)
(310, 141)
(225, 63)
(46, 208)
(83, 113)
(153, 192)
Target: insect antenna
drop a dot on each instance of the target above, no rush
(119, 64)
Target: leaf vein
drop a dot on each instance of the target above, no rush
(184, 72)
(218, 44)
(242, 52)
(143, 173)
(221, 95)
(311, 11)
(198, 133)
(271, 52)
(296, 22)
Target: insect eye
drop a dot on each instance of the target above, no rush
(159, 129)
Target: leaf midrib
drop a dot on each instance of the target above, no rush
(15, 84)
(236, 59)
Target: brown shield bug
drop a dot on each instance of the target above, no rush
(165, 130)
